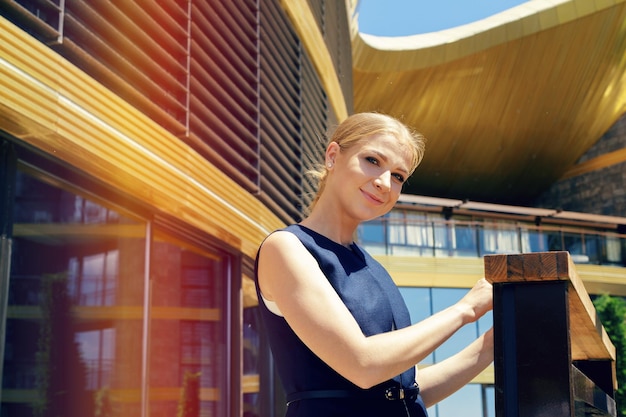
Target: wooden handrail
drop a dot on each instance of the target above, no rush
(589, 339)
(551, 354)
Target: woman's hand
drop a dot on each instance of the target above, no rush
(477, 301)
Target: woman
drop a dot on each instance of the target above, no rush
(338, 327)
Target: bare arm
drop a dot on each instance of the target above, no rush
(444, 378)
(290, 276)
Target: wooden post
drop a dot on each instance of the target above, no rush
(552, 355)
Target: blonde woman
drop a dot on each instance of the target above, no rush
(338, 327)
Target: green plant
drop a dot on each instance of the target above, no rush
(61, 372)
(612, 312)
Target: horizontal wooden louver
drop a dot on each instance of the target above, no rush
(139, 52)
(281, 183)
(315, 124)
(331, 17)
(137, 49)
(231, 79)
(224, 88)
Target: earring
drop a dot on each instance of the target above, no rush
(329, 165)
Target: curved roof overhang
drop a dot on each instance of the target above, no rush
(509, 103)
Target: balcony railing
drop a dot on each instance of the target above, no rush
(432, 237)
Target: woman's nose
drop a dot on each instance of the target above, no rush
(383, 181)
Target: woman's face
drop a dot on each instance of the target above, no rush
(368, 176)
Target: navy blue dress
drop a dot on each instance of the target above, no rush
(375, 302)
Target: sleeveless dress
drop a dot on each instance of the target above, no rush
(313, 388)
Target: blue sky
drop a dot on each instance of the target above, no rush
(412, 17)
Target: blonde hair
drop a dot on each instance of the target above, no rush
(360, 126)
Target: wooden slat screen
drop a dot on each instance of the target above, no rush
(280, 112)
(316, 119)
(229, 78)
(331, 16)
(223, 108)
(144, 51)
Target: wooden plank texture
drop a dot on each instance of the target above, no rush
(483, 97)
(589, 340)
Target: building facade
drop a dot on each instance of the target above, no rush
(147, 148)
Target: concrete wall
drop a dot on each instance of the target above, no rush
(599, 192)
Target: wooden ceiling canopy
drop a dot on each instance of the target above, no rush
(509, 103)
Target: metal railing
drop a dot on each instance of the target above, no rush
(430, 237)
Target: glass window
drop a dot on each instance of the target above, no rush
(465, 238)
(413, 233)
(419, 230)
(574, 244)
(417, 236)
(424, 302)
(396, 227)
(251, 358)
(466, 402)
(534, 241)
(443, 298)
(613, 249)
(372, 236)
(489, 398)
(75, 306)
(189, 348)
(500, 237)
(554, 239)
(418, 301)
(455, 240)
(593, 244)
(440, 232)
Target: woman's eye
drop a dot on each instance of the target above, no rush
(372, 160)
(399, 177)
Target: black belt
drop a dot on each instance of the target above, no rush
(391, 394)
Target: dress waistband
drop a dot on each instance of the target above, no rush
(392, 393)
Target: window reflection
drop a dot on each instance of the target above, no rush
(251, 360)
(613, 249)
(92, 279)
(98, 349)
(189, 360)
(413, 233)
(410, 233)
(73, 344)
(499, 237)
(534, 241)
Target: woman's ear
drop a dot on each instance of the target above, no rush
(332, 151)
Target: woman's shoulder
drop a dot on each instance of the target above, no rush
(291, 234)
(281, 240)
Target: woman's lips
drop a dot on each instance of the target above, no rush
(372, 197)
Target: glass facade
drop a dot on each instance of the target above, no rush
(188, 330)
(414, 233)
(474, 400)
(404, 232)
(109, 313)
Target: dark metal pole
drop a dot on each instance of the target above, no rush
(8, 163)
(532, 350)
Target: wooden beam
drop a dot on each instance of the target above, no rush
(589, 339)
(305, 24)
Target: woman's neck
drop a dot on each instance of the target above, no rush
(331, 226)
